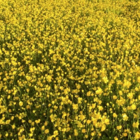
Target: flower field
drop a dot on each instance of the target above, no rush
(69, 70)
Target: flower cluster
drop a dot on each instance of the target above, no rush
(69, 69)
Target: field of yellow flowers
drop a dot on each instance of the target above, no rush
(69, 70)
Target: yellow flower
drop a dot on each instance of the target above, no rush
(103, 128)
(56, 138)
(114, 97)
(93, 134)
(49, 78)
(133, 107)
(88, 121)
(75, 132)
(46, 131)
(120, 93)
(99, 91)
(6, 135)
(82, 117)
(100, 108)
(88, 93)
(83, 130)
(127, 84)
(20, 103)
(49, 138)
(86, 136)
(75, 106)
(78, 86)
(115, 138)
(37, 121)
(46, 123)
(138, 79)
(137, 135)
(119, 127)
(125, 134)
(135, 124)
(1, 85)
(79, 100)
(43, 127)
(8, 121)
(105, 79)
(131, 41)
(130, 95)
(125, 117)
(55, 132)
(107, 121)
(13, 126)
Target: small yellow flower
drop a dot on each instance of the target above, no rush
(1, 85)
(86, 136)
(20, 103)
(133, 106)
(8, 121)
(103, 128)
(37, 121)
(115, 138)
(130, 95)
(46, 123)
(114, 97)
(55, 132)
(49, 138)
(125, 134)
(88, 93)
(75, 106)
(138, 79)
(83, 130)
(127, 84)
(131, 42)
(99, 91)
(135, 124)
(107, 121)
(13, 126)
(93, 134)
(43, 127)
(75, 132)
(6, 135)
(100, 108)
(49, 78)
(105, 79)
(46, 131)
(88, 121)
(125, 117)
(137, 135)
(8, 97)
(119, 127)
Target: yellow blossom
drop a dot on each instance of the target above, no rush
(99, 91)
(119, 127)
(135, 124)
(20, 103)
(125, 117)
(133, 106)
(75, 132)
(46, 131)
(138, 79)
(103, 128)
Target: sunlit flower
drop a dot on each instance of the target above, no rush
(125, 117)
(75, 132)
(20, 103)
(46, 131)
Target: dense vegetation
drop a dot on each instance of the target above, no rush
(69, 69)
